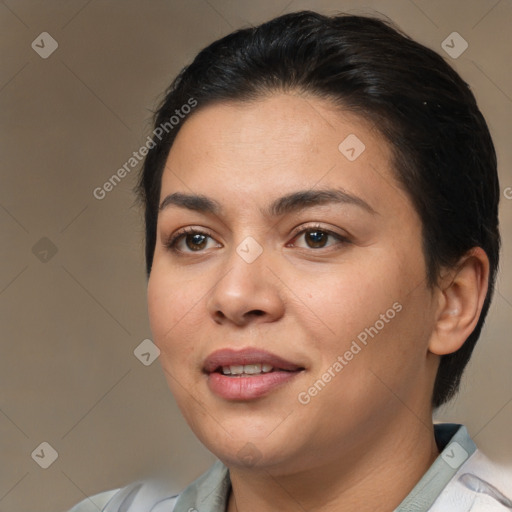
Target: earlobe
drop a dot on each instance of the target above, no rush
(461, 295)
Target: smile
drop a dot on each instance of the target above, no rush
(238, 370)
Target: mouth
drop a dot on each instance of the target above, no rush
(247, 374)
(248, 370)
(247, 362)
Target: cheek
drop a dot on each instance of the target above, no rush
(378, 324)
(372, 299)
(172, 305)
(348, 298)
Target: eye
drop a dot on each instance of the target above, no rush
(317, 237)
(188, 238)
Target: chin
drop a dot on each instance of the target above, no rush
(247, 448)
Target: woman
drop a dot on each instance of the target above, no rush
(322, 244)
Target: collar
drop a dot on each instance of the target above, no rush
(456, 447)
(210, 492)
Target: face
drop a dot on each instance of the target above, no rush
(306, 257)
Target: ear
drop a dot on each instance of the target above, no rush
(461, 295)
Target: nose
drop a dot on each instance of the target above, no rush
(246, 292)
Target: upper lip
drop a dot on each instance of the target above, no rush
(228, 357)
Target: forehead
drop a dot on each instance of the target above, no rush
(280, 143)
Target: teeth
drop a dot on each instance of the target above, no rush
(236, 369)
(247, 369)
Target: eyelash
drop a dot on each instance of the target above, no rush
(173, 240)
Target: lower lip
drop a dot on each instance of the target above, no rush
(247, 388)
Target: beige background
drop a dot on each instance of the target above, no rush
(68, 375)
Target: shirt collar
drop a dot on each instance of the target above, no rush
(211, 490)
(456, 446)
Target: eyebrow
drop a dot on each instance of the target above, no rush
(289, 203)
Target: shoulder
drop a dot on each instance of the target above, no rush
(93, 503)
(138, 496)
(210, 489)
(478, 485)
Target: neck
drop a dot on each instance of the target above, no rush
(376, 476)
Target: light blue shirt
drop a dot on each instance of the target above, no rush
(459, 480)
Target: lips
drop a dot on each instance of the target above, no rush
(233, 374)
(229, 357)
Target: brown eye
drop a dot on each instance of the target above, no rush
(189, 240)
(316, 238)
(195, 242)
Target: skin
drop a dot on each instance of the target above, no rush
(306, 304)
